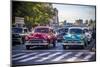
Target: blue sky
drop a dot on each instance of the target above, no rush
(74, 12)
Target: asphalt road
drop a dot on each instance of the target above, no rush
(41, 55)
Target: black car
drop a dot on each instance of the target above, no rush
(61, 33)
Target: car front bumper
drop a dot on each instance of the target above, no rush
(72, 44)
(36, 44)
(16, 40)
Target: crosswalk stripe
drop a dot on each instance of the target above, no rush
(74, 58)
(79, 54)
(34, 57)
(50, 56)
(18, 54)
(17, 58)
(62, 56)
(89, 56)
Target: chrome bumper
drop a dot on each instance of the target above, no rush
(73, 44)
(37, 44)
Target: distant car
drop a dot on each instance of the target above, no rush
(41, 36)
(61, 33)
(18, 35)
(74, 38)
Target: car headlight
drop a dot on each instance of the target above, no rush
(49, 37)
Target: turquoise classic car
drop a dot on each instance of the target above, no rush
(74, 38)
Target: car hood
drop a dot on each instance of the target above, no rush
(73, 37)
(38, 36)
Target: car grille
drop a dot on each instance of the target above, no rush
(73, 41)
(36, 41)
(15, 36)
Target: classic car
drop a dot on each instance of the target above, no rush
(74, 38)
(18, 35)
(41, 36)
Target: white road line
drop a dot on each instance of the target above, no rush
(89, 56)
(79, 54)
(18, 54)
(26, 55)
(61, 56)
(34, 57)
(48, 57)
(74, 58)
(48, 50)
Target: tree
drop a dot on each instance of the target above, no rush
(33, 12)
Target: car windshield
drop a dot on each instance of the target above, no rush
(76, 31)
(42, 30)
(62, 30)
(17, 30)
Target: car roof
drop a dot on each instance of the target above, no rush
(75, 27)
(43, 27)
(20, 27)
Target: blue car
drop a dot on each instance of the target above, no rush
(75, 37)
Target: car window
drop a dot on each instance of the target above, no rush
(76, 31)
(17, 30)
(41, 30)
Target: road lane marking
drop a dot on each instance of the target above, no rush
(17, 58)
(18, 54)
(48, 50)
(79, 54)
(48, 57)
(89, 56)
(34, 57)
(62, 56)
(74, 58)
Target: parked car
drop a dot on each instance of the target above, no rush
(18, 35)
(41, 36)
(74, 38)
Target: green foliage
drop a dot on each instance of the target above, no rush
(34, 13)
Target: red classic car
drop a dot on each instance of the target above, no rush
(41, 36)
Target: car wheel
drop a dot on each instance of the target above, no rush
(83, 47)
(86, 44)
(54, 44)
(23, 40)
(64, 46)
(27, 47)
